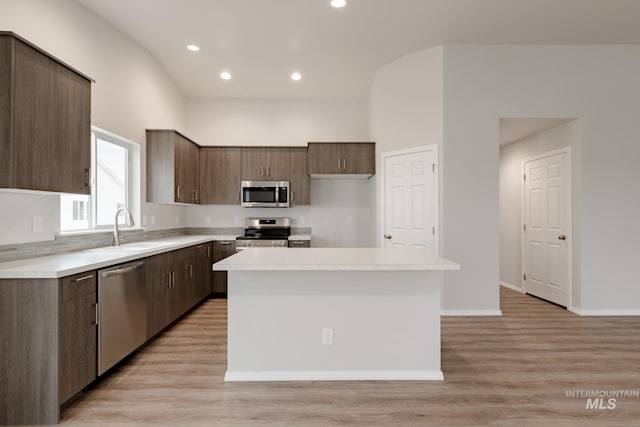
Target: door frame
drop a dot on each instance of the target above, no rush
(569, 195)
(436, 191)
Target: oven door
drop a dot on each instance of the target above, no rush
(265, 194)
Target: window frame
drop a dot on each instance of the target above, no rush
(132, 178)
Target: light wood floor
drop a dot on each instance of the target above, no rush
(512, 370)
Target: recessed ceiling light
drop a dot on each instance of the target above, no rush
(296, 76)
(338, 3)
(193, 48)
(225, 75)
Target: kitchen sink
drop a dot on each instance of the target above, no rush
(134, 247)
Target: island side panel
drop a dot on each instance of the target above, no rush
(386, 325)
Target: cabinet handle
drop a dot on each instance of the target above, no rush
(344, 164)
(168, 281)
(262, 173)
(96, 319)
(190, 271)
(87, 182)
(178, 192)
(238, 196)
(225, 243)
(293, 193)
(338, 164)
(80, 279)
(208, 251)
(268, 171)
(196, 194)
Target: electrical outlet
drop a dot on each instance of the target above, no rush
(36, 224)
(327, 336)
(207, 219)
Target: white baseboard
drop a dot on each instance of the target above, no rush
(512, 287)
(471, 312)
(605, 312)
(334, 376)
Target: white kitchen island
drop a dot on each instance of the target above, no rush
(379, 307)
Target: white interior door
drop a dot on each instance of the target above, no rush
(546, 222)
(410, 200)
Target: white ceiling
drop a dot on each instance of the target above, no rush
(338, 50)
(512, 129)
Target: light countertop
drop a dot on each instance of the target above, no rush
(61, 265)
(356, 259)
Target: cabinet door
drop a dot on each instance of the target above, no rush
(78, 342)
(325, 158)
(254, 167)
(182, 172)
(221, 250)
(220, 175)
(203, 278)
(277, 163)
(159, 269)
(299, 176)
(194, 165)
(161, 179)
(52, 124)
(358, 158)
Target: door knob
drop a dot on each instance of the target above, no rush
(387, 236)
(562, 237)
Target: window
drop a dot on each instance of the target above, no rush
(111, 169)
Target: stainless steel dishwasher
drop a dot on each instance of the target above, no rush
(122, 312)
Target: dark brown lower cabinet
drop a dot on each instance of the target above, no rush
(177, 281)
(77, 334)
(48, 331)
(299, 243)
(221, 250)
(77, 359)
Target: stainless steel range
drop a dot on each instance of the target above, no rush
(264, 232)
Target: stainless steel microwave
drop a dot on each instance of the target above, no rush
(265, 194)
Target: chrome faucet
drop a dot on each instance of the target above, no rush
(116, 237)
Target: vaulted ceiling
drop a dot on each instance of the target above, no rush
(337, 51)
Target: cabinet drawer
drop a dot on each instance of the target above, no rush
(78, 285)
(299, 243)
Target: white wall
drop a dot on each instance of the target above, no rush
(405, 108)
(511, 157)
(274, 122)
(597, 84)
(284, 122)
(132, 92)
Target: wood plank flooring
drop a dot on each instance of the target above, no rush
(512, 370)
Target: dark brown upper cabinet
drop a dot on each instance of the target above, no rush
(299, 185)
(45, 120)
(220, 175)
(173, 167)
(265, 163)
(350, 158)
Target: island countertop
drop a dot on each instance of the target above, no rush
(344, 259)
